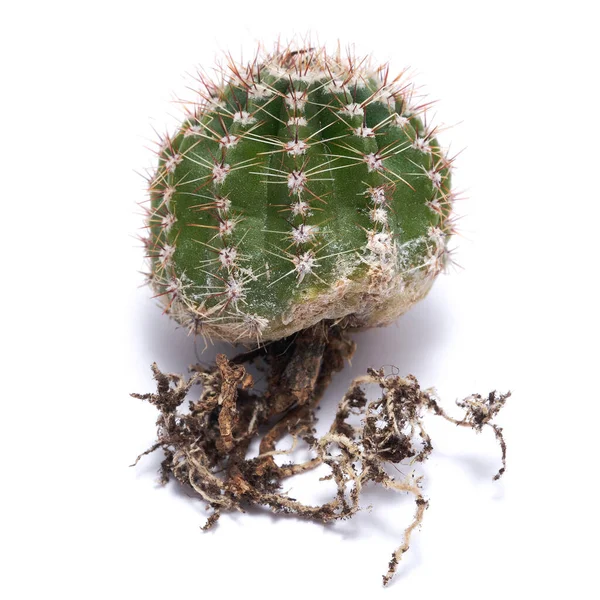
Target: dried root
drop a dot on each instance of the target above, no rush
(206, 447)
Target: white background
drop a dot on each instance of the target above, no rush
(83, 84)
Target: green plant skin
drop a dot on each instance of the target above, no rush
(244, 283)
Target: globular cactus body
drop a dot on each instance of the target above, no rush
(302, 187)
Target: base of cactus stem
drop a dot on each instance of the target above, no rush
(206, 447)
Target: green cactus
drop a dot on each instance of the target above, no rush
(302, 187)
(304, 193)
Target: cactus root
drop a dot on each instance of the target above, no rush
(206, 446)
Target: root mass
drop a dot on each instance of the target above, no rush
(206, 447)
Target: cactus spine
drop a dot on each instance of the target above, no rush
(301, 187)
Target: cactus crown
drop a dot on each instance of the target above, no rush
(301, 186)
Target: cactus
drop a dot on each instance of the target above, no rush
(301, 187)
(303, 196)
